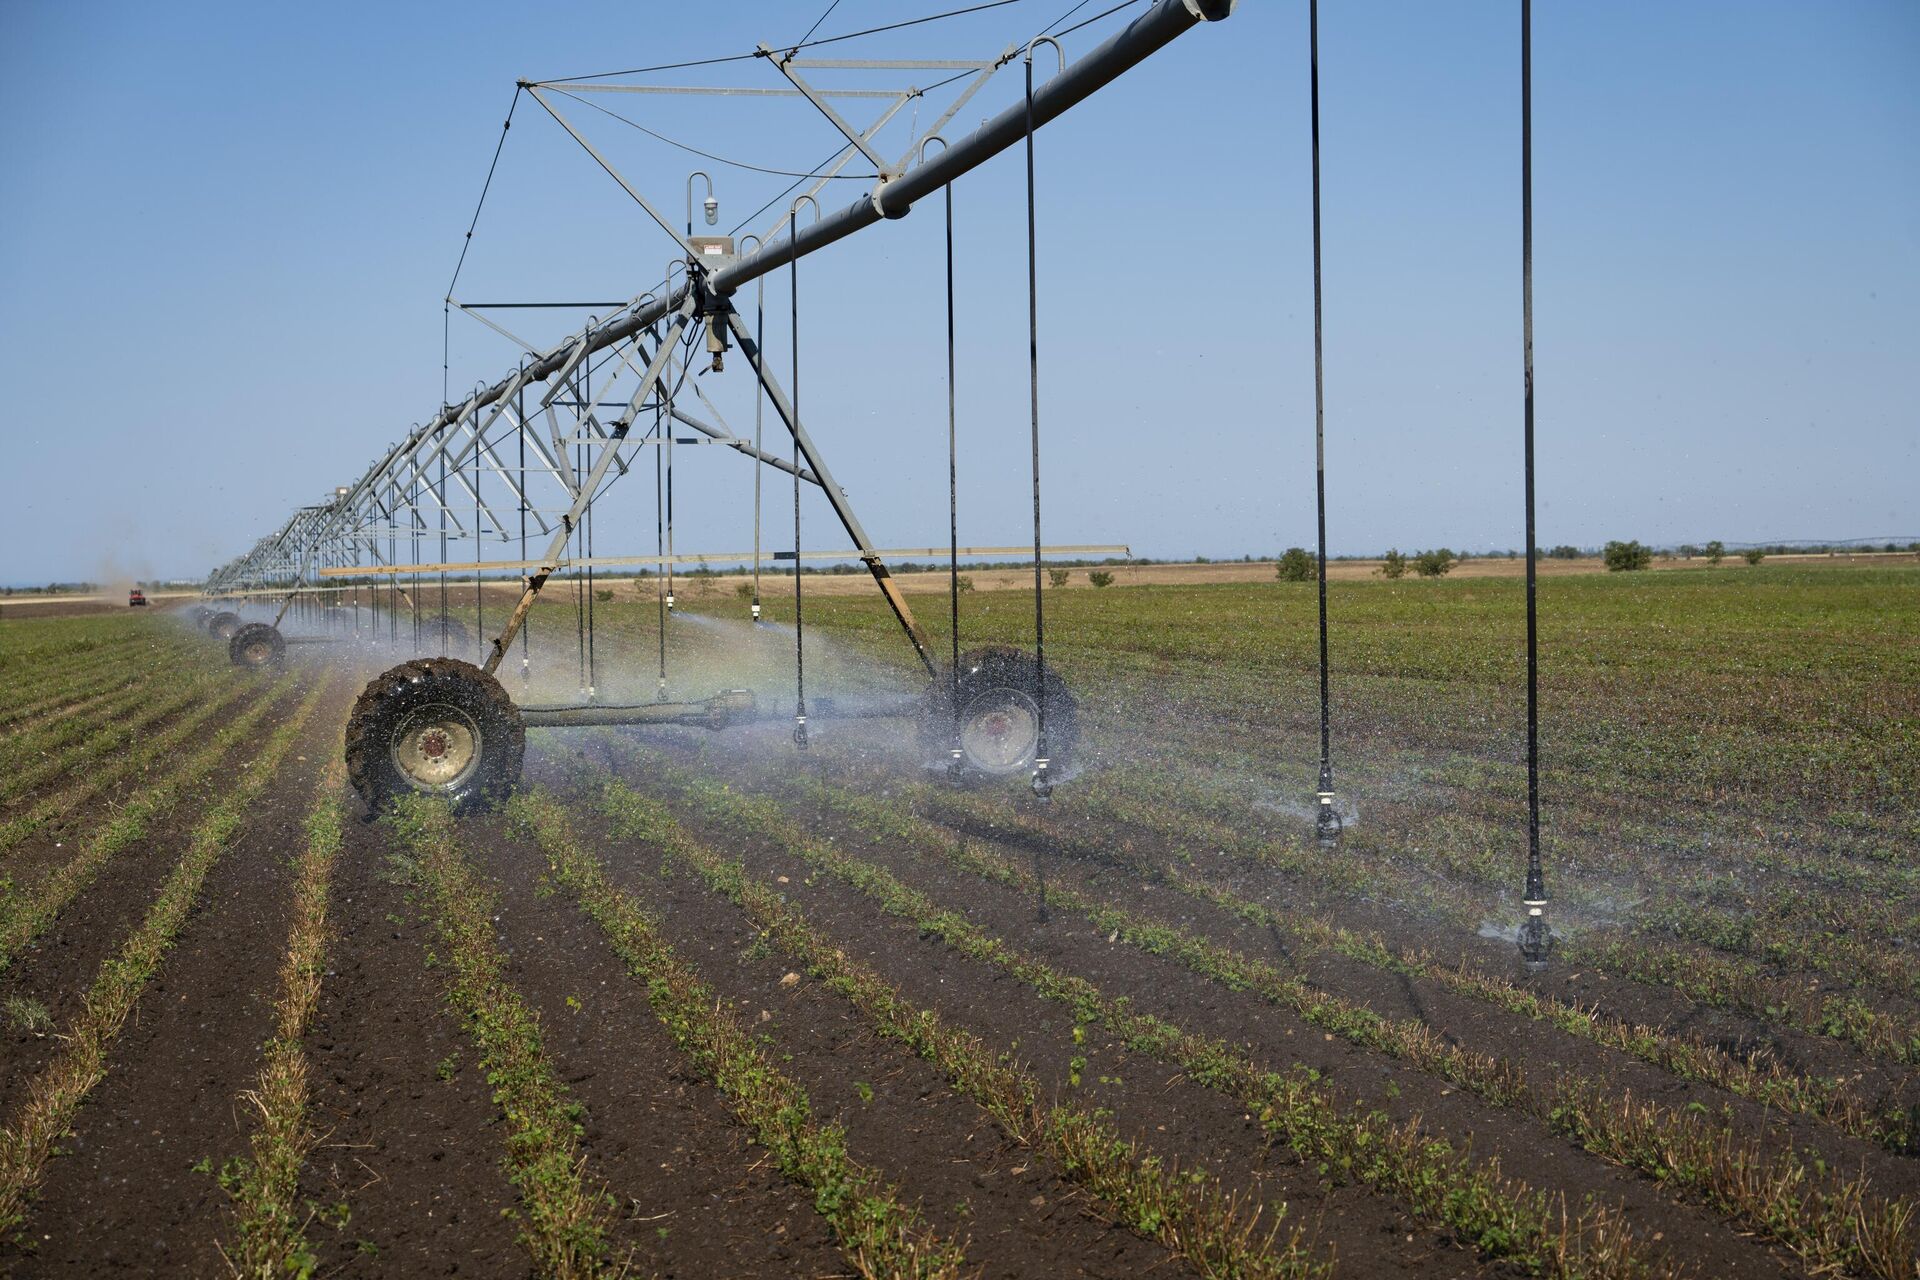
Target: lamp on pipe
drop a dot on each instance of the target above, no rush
(710, 205)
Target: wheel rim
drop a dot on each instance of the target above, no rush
(1000, 731)
(436, 748)
(258, 654)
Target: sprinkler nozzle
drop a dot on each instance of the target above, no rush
(669, 602)
(800, 732)
(1327, 824)
(1042, 780)
(1536, 939)
(756, 611)
(592, 693)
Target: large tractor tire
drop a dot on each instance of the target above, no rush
(223, 625)
(999, 722)
(256, 645)
(438, 726)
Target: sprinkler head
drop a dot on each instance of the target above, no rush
(1042, 781)
(712, 208)
(756, 611)
(1326, 822)
(669, 602)
(1536, 939)
(800, 732)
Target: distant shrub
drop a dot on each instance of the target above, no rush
(965, 582)
(1565, 552)
(1434, 564)
(744, 590)
(1626, 557)
(1716, 551)
(1688, 551)
(604, 597)
(1755, 555)
(1100, 578)
(1058, 577)
(1395, 564)
(1295, 566)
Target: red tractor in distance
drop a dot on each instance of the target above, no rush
(136, 599)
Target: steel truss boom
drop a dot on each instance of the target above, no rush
(539, 423)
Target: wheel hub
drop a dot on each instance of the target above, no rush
(1000, 731)
(436, 748)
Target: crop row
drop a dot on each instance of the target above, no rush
(1437, 1183)
(267, 1239)
(1187, 1210)
(1840, 1226)
(25, 910)
(1307, 935)
(121, 723)
(56, 1094)
(133, 762)
(1477, 850)
(37, 738)
(879, 1235)
(1724, 982)
(1765, 1081)
(566, 1213)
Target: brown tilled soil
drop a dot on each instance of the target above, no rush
(930, 973)
(408, 1179)
(139, 1182)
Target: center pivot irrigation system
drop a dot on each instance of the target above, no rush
(581, 413)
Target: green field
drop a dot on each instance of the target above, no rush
(694, 997)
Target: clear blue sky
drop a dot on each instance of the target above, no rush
(225, 230)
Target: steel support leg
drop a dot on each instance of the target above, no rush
(835, 498)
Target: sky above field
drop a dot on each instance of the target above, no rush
(226, 230)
